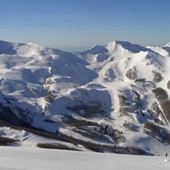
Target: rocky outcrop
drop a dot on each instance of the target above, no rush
(160, 93)
(157, 132)
(168, 84)
(131, 74)
(162, 97)
(157, 77)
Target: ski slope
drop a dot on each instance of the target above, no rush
(12, 158)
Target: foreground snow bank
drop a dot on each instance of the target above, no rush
(12, 158)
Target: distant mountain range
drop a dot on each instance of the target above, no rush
(110, 98)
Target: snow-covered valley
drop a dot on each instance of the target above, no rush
(111, 98)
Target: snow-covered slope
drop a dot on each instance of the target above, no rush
(36, 159)
(114, 97)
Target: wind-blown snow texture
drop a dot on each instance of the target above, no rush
(115, 94)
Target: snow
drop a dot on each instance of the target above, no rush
(44, 82)
(159, 50)
(167, 45)
(12, 158)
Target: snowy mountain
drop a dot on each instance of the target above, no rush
(110, 98)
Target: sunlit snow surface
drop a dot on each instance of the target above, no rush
(12, 158)
(49, 88)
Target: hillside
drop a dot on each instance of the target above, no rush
(110, 98)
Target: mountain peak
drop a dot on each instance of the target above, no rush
(7, 47)
(33, 44)
(135, 48)
(97, 49)
(167, 45)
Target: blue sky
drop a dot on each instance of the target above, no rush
(79, 24)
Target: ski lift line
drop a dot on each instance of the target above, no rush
(163, 114)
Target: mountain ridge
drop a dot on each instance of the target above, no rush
(107, 94)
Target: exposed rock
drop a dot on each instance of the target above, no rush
(131, 126)
(138, 102)
(50, 97)
(156, 113)
(56, 146)
(168, 84)
(157, 76)
(4, 141)
(124, 106)
(158, 132)
(122, 100)
(160, 93)
(165, 104)
(89, 110)
(131, 74)
(9, 115)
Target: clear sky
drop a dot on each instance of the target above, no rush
(73, 24)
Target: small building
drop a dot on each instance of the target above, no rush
(140, 80)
